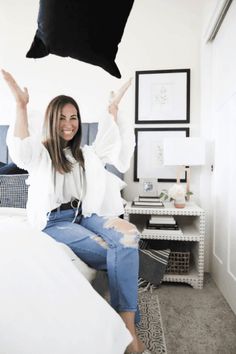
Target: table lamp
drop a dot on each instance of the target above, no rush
(184, 152)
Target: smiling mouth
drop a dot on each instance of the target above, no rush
(67, 131)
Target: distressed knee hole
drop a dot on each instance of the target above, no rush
(130, 233)
(100, 241)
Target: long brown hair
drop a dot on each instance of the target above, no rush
(52, 140)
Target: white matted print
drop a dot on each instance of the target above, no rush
(162, 96)
(148, 155)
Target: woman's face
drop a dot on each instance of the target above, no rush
(69, 122)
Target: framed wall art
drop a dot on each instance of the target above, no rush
(162, 96)
(148, 154)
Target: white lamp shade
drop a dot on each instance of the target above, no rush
(183, 151)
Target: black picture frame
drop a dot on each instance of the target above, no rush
(148, 145)
(162, 96)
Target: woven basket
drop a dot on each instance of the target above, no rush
(178, 263)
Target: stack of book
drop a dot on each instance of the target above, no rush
(162, 225)
(163, 222)
(150, 202)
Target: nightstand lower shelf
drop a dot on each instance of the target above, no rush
(192, 278)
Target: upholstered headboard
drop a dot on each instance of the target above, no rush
(89, 131)
(4, 156)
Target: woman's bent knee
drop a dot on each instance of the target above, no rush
(130, 234)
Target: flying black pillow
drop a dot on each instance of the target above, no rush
(87, 30)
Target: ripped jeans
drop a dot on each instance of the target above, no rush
(104, 243)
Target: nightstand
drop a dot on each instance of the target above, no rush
(191, 221)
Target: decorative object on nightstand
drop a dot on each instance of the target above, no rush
(148, 187)
(184, 152)
(148, 202)
(177, 194)
(148, 194)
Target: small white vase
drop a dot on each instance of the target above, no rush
(177, 193)
(179, 203)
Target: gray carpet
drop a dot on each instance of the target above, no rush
(150, 328)
(197, 321)
(194, 321)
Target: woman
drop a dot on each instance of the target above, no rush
(80, 201)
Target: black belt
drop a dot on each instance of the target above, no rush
(70, 205)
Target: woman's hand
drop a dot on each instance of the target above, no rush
(115, 99)
(21, 96)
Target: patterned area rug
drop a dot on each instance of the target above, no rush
(150, 327)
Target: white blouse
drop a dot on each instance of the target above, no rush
(69, 185)
(114, 144)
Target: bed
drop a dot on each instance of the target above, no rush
(47, 303)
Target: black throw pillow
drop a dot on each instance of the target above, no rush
(152, 263)
(11, 169)
(86, 30)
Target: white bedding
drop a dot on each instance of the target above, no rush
(46, 305)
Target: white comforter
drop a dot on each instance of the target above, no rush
(46, 305)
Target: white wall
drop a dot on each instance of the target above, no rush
(218, 123)
(160, 34)
(166, 35)
(210, 13)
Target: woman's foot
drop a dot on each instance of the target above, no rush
(136, 346)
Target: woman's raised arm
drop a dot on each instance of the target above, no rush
(22, 98)
(114, 143)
